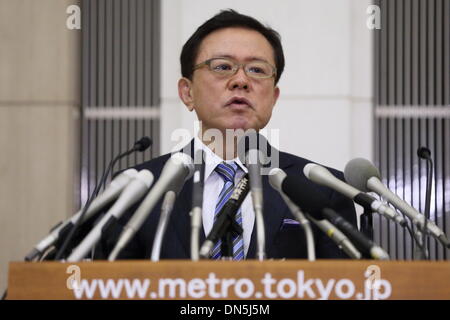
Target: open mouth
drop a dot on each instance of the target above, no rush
(239, 102)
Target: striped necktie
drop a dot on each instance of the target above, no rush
(227, 172)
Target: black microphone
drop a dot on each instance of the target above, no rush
(425, 153)
(141, 145)
(226, 216)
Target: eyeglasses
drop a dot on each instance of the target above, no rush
(228, 67)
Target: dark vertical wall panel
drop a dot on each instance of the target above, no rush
(412, 107)
(121, 77)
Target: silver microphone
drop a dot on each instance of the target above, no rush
(322, 176)
(252, 157)
(176, 171)
(111, 192)
(129, 196)
(362, 174)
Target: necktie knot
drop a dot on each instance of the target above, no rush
(227, 171)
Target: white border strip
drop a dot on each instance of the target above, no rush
(421, 112)
(121, 113)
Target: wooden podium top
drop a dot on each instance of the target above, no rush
(254, 280)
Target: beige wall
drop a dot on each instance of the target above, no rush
(39, 110)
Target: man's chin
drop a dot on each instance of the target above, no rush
(242, 124)
(235, 125)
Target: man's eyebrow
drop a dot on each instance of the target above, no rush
(251, 58)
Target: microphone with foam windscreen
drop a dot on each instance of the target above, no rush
(314, 200)
(130, 195)
(176, 171)
(322, 176)
(362, 174)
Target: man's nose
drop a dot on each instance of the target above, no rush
(240, 80)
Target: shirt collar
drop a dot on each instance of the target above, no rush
(212, 159)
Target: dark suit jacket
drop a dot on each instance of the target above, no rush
(283, 240)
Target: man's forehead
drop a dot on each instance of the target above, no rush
(238, 43)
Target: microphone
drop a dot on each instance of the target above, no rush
(111, 192)
(176, 171)
(197, 202)
(364, 244)
(251, 157)
(362, 174)
(322, 176)
(337, 236)
(166, 209)
(226, 216)
(129, 196)
(141, 145)
(289, 187)
(424, 153)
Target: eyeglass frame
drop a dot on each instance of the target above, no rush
(236, 68)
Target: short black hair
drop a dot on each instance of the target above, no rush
(228, 19)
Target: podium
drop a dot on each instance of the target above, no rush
(249, 280)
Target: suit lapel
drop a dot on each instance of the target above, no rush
(181, 219)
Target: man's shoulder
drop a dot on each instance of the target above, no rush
(289, 160)
(155, 165)
(286, 160)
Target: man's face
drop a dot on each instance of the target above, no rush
(218, 100)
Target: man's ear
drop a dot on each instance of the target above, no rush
(276, 94)
(185, 92)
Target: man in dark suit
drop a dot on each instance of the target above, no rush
(230, 69)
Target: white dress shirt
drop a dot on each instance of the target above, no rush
(212, 187)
